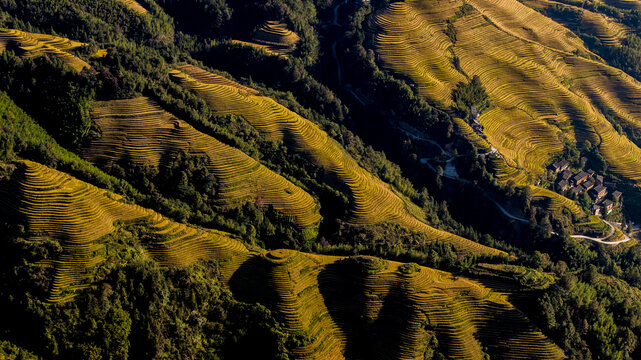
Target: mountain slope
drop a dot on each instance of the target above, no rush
(139, 130)
(55, 206)
(372, 201)
(515, 69)
(31, 45)
(338, 305)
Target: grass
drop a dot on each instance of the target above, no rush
(57, 206)
(519, 56)
(31, 45)
(371, 200)
(139, 130)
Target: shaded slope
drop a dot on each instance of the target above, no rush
(139, 130)
(372, 201)
(516, 70)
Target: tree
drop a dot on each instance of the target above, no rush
(116, 334)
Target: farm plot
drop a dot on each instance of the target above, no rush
(623, 4)
(139, 130)
(56, 206)
(558, 90)
(400, 299)
(607, 30)
(372, 201)
(521, 137)
(552, 200)
(524, 23)
(276, 37)
(30, 45)
(317, 296)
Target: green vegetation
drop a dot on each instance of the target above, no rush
(466, 96)
(188, 179)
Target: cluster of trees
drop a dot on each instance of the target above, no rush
(466, 96)
(135, 311)
(593, 310)
(90, 21)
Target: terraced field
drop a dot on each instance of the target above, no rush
(266, 48)
(552, 200)
(517, 136)
(372, 201)
(607, 30)
(623, 4)
(383, 313)
(56, 206)
(326, 298)
(518, 56)
(139, 130)
(133, 5)
(276, 37)
(29, 45)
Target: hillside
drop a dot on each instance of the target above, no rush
(57, 207)
(606, 29)
(319, 296)
(31, 45)
(320, 179)
(371, 200)
(139, 130)
(515, 66)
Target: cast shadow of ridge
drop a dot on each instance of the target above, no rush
(374, 310)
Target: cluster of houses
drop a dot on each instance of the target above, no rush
(586, 181)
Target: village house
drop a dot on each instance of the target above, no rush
(607, 206)
(566, 174)
(596, 210)
(580, 177)
(616, 196)
(583, 160)
(589, 184)
(599, 179)
(599, 192)
(563, 185)
(577, 190)
(560, 165)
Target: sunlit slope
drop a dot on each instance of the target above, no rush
(31, 45)
(276, 36)
(518, 20)
(135, 6)
(55, 206)
(372, 201)
(534, 87)
(139, 130)
(552, 200)
(607, 30)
